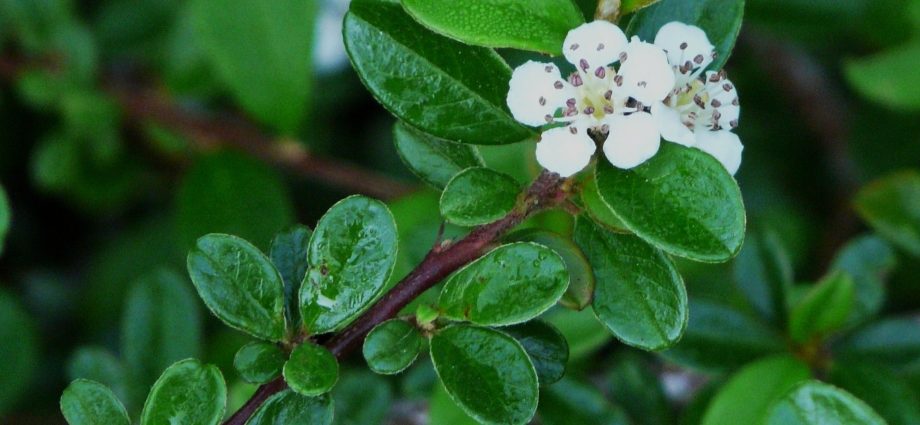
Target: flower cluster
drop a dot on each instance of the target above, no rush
(656, 91)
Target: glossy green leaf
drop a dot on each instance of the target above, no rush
(261, 50)
(824, 308)
(510, 284)
(868, 260)
(537, 25)
(682, 201)
(239, 285)
(362, 398)
(4, 218)
(546, 347)
(487, 373)
(636, 387)
(312, 370)
(20, 360)
(763, 273)
(631, 6)
(99, 365)
(720, 19)
(86, 402)
(573, 402)
(233, 194)
(888, 78)
(351, 256)
(160, 326)
(392, 346)
(289, 255)
(749, 394)
(884, 391)
(599, 211)
(433, 160)
(893, 341)
(721, 338)
(259, 362)
(891, 205)
(816, 403)
(187, 392)
(581, 277)
(440, 86)
(288, 407)
(639, 295)
(478, 196)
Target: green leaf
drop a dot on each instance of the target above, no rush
(288, 253)
(888, 78)
(597, 209)
(87, 402)
(581, 278)
(546, 347)
(721, 19)
(510, 284)
(288, 407)
(894, 342)
(536, 25)
(478, 196)
(763, 273)
(631, 6)
(362, 398)
(239, 285)
(584, 334)
(748, 395)
(425, 83)
(487, 373)
(433, 160)
(4, 217)
(868, 260)
(187, 392)
(160, 326)
(816, 403)
(639, 295)
(721, 338)
(312, 370)
(891, 205)
(573, 402)
(99, 365)
(259, 362)
(636, 387)
(20, 360)
(231, 193)
(886, 392)
(351, 256)
(682, 201)
(392, 346)
(824, 308)
(262, 51)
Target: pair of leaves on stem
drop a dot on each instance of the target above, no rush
(310, 371)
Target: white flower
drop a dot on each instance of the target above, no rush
(596, 100)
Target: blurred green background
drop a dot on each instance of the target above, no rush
(132, 127)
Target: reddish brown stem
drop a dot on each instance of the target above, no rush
(547, 191)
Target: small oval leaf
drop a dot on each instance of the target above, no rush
(392, 346)
(288, 407)
(312, 370)
(510, 284)
(581, 277)
(259, 362)
(816, 403)
(823, 308)
(351, 256)
(682, 201)
(432, 159)
(239, 285)
(746, 397)
(478, 196)
(598, 209)
(890, 206)
(639, 295)
(187, 392)
(546, 347)
(86, 402)
(288, 253)
(487, 373)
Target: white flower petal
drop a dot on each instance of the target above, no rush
(647, 76)
(535, 91)
(633, 139)
(685, 43)
(723, 145)
(564, 152)
(671, 126)
(598, 43)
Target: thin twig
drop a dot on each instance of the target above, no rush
(546, 191)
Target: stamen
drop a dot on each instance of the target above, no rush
(589, 110)
(727, 87)
(715, 78)
(549, 68)
(716, 115)
(733, 124)
(735, 102)
(601, 72)
(548, 118)
(715, 103)
(576, 80)
(608, 109)
(558, 85)
(542, 101)
(605, 128)
(573, 47)
(600, 47)
(618, 80)
(573, 130)
(570, 103)
(683, 46)
(584, 65)
(608, 94)
(699, 101)
(623, 57)
(642, 84)
(698, 59)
